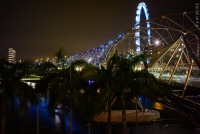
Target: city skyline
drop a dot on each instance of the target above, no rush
(37, 29)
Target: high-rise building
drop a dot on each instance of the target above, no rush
(11, 55)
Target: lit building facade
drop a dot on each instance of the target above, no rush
(11, 55)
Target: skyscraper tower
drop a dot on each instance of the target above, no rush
(11, 55)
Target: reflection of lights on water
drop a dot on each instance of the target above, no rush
(17, 102)
(57, 119)
(158, 106)
(42, 99)
(32, 84)
(90, 82)
(59, 105)
(140, 99)
(58, 108)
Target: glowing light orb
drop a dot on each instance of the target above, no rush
(156, 42)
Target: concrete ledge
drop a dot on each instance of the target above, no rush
(116, 116)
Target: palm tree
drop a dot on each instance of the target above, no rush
(61, 57)
(144, 84)
(59, 85)
(124, 78)
(118, 70)
(5, 74)
(84, 91)
(106, 98)
(11, 86)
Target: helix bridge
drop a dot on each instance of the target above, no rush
(172, 43)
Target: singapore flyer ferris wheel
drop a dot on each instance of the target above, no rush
(141, 6)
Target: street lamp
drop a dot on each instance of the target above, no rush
(156, 42)
(98, 90)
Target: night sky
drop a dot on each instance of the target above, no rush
(37, 28)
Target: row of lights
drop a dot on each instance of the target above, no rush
(47, 59)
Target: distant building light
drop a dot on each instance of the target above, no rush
(11, 55)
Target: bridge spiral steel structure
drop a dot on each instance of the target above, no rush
(172, 43)
(170, 36)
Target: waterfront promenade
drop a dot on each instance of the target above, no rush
(116, 116)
